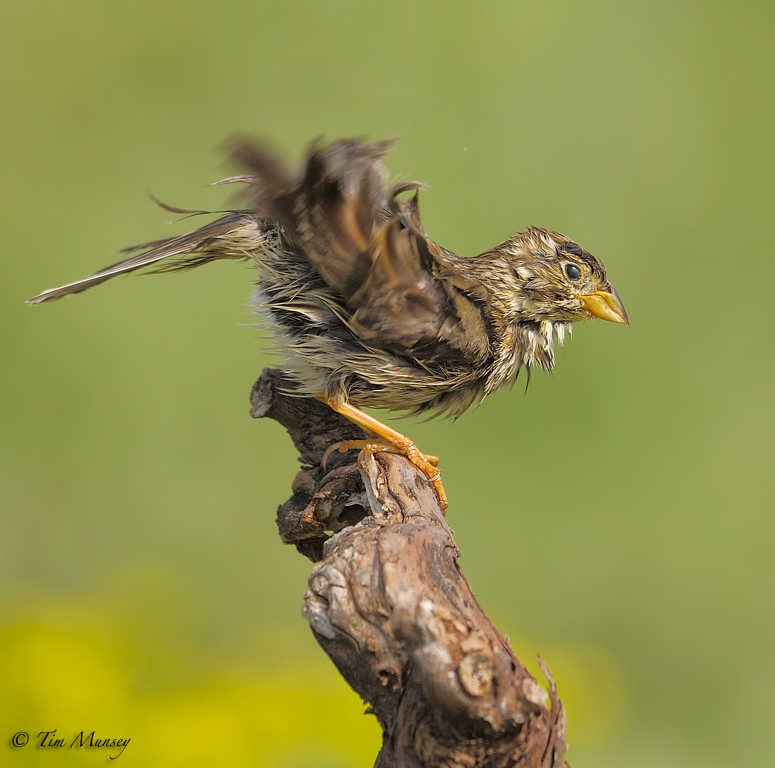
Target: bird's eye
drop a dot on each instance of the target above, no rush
(572, 271)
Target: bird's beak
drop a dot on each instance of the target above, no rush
(607, 306)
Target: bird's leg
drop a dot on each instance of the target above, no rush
(391, 442)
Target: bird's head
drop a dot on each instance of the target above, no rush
(560, 281)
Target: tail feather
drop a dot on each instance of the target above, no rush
(331, 209)
(195, 248)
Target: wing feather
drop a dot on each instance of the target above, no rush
(398, 289)
(368, 246)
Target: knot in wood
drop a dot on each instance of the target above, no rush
(476, 673)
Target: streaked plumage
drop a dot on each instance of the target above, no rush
(362, 306)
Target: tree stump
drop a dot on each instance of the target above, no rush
(390, 606)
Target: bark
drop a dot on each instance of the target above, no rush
(389, 604)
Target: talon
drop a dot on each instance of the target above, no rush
(342, 447)
(428, 464)
(395, 442)
(443, 503)
(328, 452)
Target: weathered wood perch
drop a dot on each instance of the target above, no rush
(390, 606)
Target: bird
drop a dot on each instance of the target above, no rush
(363, 308)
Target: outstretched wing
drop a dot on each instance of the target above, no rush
(401, 289)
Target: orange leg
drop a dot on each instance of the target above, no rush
(395, 442)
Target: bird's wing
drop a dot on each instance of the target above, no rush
(400, 290)
(410, 302)
(368, 246)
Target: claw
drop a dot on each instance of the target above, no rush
(342, 447)
(389, 441)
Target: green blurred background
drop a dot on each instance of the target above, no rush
(617, 519)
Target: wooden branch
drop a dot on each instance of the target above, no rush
(390, 606)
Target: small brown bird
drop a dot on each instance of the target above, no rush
(364, 309)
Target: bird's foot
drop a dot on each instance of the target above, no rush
(387, 441)
(426, 463)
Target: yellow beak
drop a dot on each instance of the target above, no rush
(606, 306)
